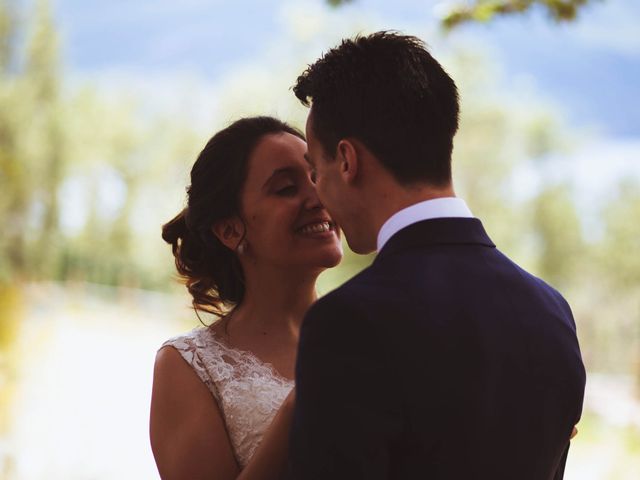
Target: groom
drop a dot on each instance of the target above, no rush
(443, 359)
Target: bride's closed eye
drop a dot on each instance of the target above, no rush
(288, 191)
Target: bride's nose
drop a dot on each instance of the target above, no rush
(312, 201)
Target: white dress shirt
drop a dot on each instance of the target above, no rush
(446, 207)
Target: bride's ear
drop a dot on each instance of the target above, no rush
(347, 156)
(229, 231)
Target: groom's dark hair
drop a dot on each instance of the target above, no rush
(387, 91)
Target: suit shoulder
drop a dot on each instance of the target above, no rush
(350, 295)
(345, 307)
(562, 302)
(543, 286)
(336, 301)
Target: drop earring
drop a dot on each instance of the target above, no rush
(242, 247)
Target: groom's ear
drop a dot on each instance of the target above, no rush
(348, 159)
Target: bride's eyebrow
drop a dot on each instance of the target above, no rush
(278, 172)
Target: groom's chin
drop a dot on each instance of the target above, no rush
(360, 247)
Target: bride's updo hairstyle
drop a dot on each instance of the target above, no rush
(212, 272)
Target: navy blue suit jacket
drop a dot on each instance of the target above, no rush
(442, 360)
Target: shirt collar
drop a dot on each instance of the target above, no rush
(446, 207)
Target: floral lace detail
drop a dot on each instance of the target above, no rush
(249, 392)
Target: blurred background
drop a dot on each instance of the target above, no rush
(105, 105)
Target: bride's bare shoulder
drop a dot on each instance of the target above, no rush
(172, 374)
(182, 408)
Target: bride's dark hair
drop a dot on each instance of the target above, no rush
(211, 271)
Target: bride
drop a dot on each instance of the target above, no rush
(249, 246)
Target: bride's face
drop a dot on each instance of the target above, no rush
(286, 225)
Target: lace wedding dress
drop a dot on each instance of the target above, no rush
(248, 391)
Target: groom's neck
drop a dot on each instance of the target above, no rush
(394, 197)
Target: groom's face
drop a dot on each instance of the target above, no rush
(327, 176)
(338, 194)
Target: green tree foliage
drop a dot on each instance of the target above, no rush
(51, 142)
(46, 137)
(558, 235)
(123, 165)
(460, 12)
(7, 31)
(620, 251)
(618, 256)
(32, 142)
(487, 10)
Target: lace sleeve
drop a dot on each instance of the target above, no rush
(190, 348)
(248, 391)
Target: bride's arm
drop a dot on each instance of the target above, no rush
(270, 459)
(188, 435)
